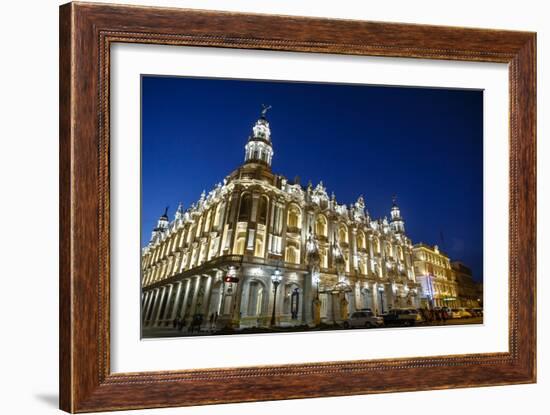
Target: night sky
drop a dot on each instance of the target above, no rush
(424, 145)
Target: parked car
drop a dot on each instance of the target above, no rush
(363, 319)
(465, 313)
(460, 313)
(402, 317)
(477, 312)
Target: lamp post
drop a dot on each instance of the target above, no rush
(276, 280)
(316, 280)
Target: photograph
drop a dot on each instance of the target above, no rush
(273, 206)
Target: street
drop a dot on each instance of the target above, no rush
(159, 332)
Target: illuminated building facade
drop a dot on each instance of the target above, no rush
(221, 257)
(433, 272)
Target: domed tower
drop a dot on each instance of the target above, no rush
(162, 225)
(258, 149)
(397, 222)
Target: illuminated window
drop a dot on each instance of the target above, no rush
(323, 262)
(190, 233)
(217, 216)
(294, 217)
(321, 226)
(259, 247)
(244, 210)
(262, 210)
(360, 240)
(207, 222)
(255, 299)
(292, 254)
(240, 241)
(343, 234)
(376, 245)
(199, 228)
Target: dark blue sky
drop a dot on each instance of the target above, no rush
(424, 145)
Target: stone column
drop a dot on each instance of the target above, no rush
(356, 301)
(236, 306)
(175, 307)
(390, 296)
(147, 306)
(195, 287)
(376, 306)
(167, 308)
(244, 300)
(206, 300)
(159, 306)
(183, 307)
(150, 310)
(144, 304)
(307, 299)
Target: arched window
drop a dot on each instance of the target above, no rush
(255, 299)
(376, 245)
(294, 217)
(343, 234)
(400, 253)
(190, 234)
(262, 210)
(292, 254)
(207, 221)
(360, 240)
(259, 247)
(199, 228)
(389, 250)
(321, 226)
(181, 238)
(244, 210)
(240, 240)
(363, 267)
(217, 216)
(323, 260)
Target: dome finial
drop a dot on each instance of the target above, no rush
(265, 108)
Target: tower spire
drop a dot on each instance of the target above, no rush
(397, 222)
(259, 149)
(162, 225)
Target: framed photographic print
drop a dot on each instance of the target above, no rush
(261, 207)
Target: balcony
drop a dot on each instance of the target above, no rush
(293, 229)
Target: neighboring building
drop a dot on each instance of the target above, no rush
(433, 272)
(467, 290)
(479, 293)
(219, 255)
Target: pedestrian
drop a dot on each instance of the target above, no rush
(424, 313)
(211, 320)
(444, 315)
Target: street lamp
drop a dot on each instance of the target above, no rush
(276, 280)
(316, 280)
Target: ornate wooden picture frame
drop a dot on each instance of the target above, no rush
(87, 32)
